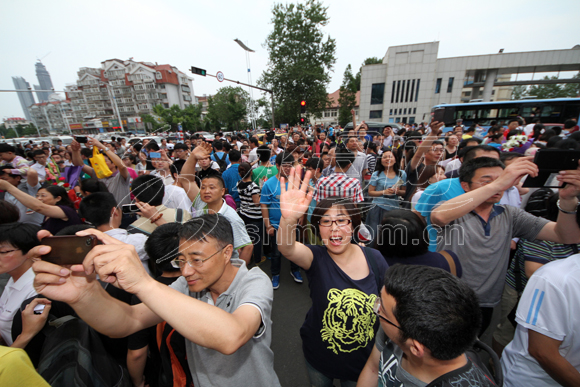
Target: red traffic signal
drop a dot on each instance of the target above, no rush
(302, 120)
(302, 107)
(303, 103)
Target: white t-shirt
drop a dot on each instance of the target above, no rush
(528, 129)
(137, 240)
(549, 306)
(176, 197)
(12, 297)
(453, 165)
(40, 170)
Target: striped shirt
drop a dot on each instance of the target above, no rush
(247, 206)
(372, 162)
(536, 251)
(338, 184)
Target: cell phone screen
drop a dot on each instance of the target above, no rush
(81, 140)
(155, 155)
(130, 208)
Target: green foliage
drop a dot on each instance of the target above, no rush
(149, 119)
(300, 60)
(555, 90)
(263, 108)
(346, 97)
(519, 92)
(6, 132)
(227, 108)
(189, 117)
(367, 61)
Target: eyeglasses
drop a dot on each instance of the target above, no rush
(343, 222)
(8, 251)
(436, 150)
(377, 308)
(180, 263)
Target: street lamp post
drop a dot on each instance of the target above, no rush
(248, 50)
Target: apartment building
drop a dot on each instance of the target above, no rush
(126, 89)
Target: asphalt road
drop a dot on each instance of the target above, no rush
(291, 302)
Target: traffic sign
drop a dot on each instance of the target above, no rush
(220, 76)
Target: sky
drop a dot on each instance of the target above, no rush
(68, 35)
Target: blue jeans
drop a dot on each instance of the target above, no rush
(318, 379)
(276, 257)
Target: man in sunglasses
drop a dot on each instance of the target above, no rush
(222, 309)
(429, 319)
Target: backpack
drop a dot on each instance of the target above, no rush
(174, 367)
(537, 204)
(73, 355)
(221, 161)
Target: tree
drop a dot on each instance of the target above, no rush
(7, 132)
(153, 121)
(346, 97)
(368, 61)
(300, 60)
(189, 117)
(519, 92)
(555, 90)
(228, 107)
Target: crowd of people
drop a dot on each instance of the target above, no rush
(415, 243)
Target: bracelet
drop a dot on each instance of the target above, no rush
(159, 216)
(566, 212)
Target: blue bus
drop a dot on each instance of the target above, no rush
(551, 112)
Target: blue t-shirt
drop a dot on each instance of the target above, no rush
(431, 259)
(220, 155)
(381, 182)
(231, 178)
(436, 193)
(271, 198)
(338, 333)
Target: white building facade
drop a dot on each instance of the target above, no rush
(126, 89)
(411, 79)
(53, 116)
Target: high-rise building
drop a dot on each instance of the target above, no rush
(52, 116)
(126, 89)
(45, 83)
(26, 98)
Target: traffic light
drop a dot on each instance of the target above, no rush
(198, 71)
(302, 120)
(302, 107)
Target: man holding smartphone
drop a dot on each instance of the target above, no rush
(221, 308)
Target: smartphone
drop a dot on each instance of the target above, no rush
(69, 249)
(439, 115)
(130, 208)
(155, 155)
(550, 162)
(81, 140)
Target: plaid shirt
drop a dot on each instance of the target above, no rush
(338, 184)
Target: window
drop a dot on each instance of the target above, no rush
(450, 84)
(391, 120)
(390, 112)
(438, 85)
(166, 105)
(404, 120)
(398, 88)
(402, 91)
(405, 111)
(412, 90)
(397, 120)
(334, 113)
(414, 110)
(376, 114)
(377, 93)
(417, 91)
(407, 94)
(411, 120)
(158, 75)
(393, 91)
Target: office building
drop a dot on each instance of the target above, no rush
(411, 79)
(45, 83)
(53, 116)
(26, 98)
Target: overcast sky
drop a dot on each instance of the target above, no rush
(73, 34)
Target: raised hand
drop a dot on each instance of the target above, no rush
(512, 174)
(295, 200)
(436, 128)
(572, 180)
(202, 151)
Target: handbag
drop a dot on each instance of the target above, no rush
(99, 165)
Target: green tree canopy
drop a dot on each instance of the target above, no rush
(228, 107)
(367, 61)
(189, 117)
(347, 97)
(556, 90)
(300, 60)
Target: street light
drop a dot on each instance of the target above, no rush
(248, 50)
